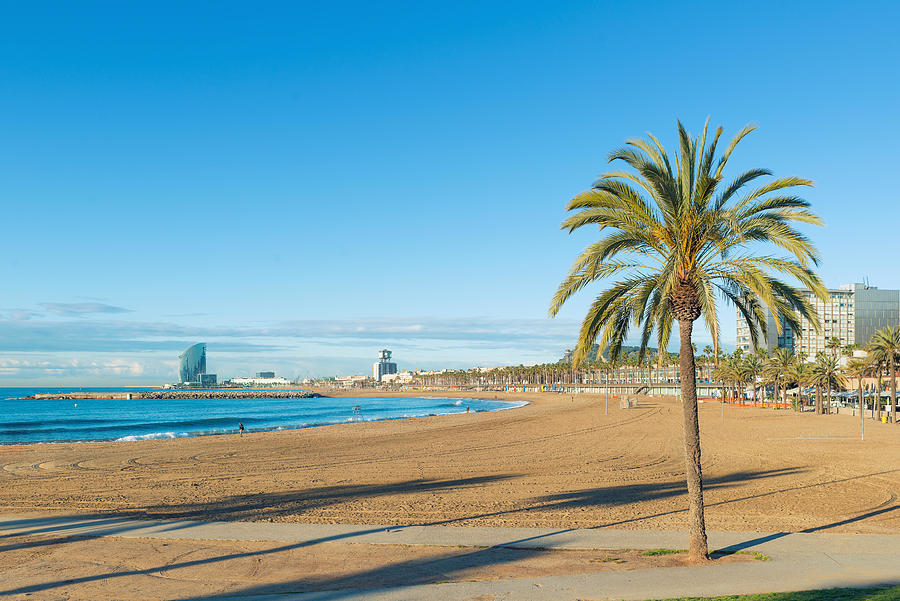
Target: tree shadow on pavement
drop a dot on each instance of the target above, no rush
(268, 505)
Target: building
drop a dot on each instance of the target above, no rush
(351, 381)
(383, 365)
(192, 363)
(207, 379)
(404, 377)
(259, 382)
(852, 314)
(265, 374)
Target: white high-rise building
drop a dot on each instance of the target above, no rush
(383, 365)
(852, 314)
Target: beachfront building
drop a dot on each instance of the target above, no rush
(404, 377)
(351, 381)
(267, 380)
(192, 363)
(852, 314)
(383, 365)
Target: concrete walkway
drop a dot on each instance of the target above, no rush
(799, 561)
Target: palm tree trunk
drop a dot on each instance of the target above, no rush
(698, 551)
(878, 398)
(862, 408)
(893, 416)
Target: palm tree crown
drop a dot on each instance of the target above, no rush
(680, 241)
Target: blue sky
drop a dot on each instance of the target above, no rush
(300, 185)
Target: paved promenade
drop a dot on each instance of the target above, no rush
(799, 561)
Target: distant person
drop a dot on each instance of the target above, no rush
(467, 408)
(241, 429)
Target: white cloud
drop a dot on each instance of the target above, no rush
(78, 309)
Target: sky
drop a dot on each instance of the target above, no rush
(302, 184)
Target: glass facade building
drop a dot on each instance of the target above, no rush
(192, 363)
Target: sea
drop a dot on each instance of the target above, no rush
(40, 421)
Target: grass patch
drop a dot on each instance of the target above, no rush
(891, 593)
(607, 560)
(655, 552)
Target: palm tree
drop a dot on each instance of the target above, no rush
(878, 369)
(827, 373)
(681, 242)
(800, 374)
(833, 345)
(723, 373)
(885, 345)
(752, 369)
(780, 362)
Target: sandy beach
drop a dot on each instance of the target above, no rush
(558, 462)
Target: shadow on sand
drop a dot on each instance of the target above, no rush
(263, 506)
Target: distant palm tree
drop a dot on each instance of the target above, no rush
(780, 362)
(724, 374)
(752, 369)
(885, 346)
(833, 345)
(681, 242)
(799, 373)
(827, 373)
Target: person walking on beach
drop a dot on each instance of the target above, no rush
(241, 429)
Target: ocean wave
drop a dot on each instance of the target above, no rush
(153, 436)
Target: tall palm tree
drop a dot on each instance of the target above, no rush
(682, 242)
(885, 345)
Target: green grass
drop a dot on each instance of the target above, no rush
(655, 552)
(891, 593)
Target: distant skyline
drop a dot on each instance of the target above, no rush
(300, 185)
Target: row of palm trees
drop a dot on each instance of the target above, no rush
(777, 372)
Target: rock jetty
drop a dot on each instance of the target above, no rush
(183, 394)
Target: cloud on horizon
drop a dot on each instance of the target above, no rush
(79, 309)
(82, 350)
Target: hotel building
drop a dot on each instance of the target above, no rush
(384, 365)
(192, 363)
(852, 314)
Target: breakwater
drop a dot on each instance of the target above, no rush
(180, 394)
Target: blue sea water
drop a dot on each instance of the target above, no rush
(23, 421)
